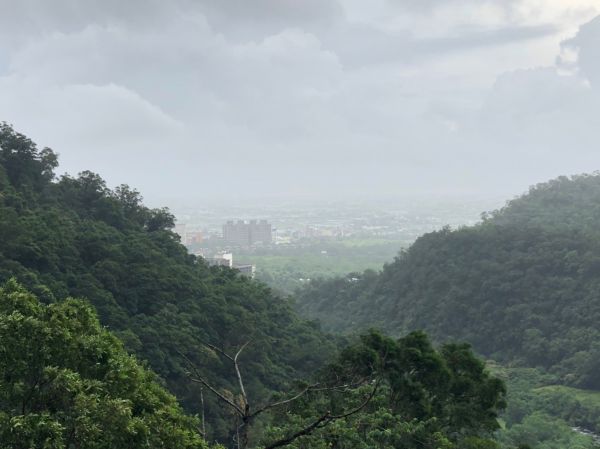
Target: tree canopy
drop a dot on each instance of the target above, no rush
(397, 393)
(67, 382)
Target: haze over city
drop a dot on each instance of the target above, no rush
(196, 100)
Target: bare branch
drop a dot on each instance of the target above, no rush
(219, 350)
(240, 350)
(361, 406)
(323, 421)
(199, 379)
(239, 374)
(285, 401)
(342, 388)
(235, 364)
(232, 404)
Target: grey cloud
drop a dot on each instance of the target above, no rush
(359, 45)
(25, 20)
(260, 18)
(539, 121)
(284, 95)
(587, 44)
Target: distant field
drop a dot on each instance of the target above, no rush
(371, 242)
(285, 267)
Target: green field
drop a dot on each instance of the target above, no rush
(287, 267)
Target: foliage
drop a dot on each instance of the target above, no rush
(521, 287)
(421, 398)
(542, 415)
(74, 236)
(67, 382)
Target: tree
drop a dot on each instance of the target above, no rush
(379, 392)
(246, 414)
(425, 399)
(66, 382)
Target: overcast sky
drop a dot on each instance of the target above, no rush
(233, 98)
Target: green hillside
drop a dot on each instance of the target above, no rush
(76, 237)
(66, 236)
(522, 287)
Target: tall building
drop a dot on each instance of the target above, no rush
(243, 233)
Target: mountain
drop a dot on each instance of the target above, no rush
(73, 236)
(523, 286)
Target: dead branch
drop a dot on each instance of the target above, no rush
(246, 417)
(305, 431)
(285, 401)
(239, 374)
(218, 394)
(219, 350)
(323, 421)
(200, 379)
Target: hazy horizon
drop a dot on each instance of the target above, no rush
(235, 101)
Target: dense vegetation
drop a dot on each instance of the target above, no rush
(75, 237)
(65, 382)
(542, 414)
(419, 398)
(523, 286)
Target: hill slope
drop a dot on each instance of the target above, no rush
(523, 286)
(75, 237)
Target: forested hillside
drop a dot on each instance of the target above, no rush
(76, 237)
(522, 287)
(66, 379)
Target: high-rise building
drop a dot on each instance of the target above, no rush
(243, 233)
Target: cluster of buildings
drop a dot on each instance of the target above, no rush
(236, 234)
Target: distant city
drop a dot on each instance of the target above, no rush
(220, 233)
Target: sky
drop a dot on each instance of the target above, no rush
(232, 99)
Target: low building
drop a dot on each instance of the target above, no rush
(220, 260)
(246, 269)
(194, 238)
